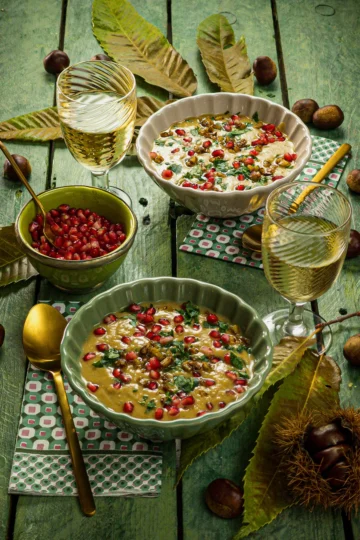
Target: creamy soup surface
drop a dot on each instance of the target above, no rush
(223, 153)
(166, 361)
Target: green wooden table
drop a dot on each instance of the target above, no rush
(317, 54)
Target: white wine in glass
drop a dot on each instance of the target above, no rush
(304, 243)
(97, 110)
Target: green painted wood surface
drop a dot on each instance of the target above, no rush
(25, 86)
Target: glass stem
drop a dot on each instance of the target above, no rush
(295, 325)
(100, 180)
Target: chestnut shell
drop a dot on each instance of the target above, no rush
(265, 70)
(352, 350)
(328, 117)
(353, 180)
(101, 56)
(22, 163)
(224, 498)
(56, 61)
(318, 439)
(330, 456)
(353, 249)
(337, 475)
(2, 334)
(304, 109)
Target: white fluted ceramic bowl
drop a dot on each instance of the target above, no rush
(212, 203)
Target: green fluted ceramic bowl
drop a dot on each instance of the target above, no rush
(176, 290)
(78, 276)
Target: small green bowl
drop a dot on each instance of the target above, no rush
(176, 290)
(78, 276)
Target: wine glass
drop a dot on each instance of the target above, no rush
(97, 109)
(304, 242)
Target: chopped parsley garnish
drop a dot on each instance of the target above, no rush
(190, 313)
(168, 400)
(108, 359)
(223, 326)
(187, 384)
(131, 318)
(148, 404)
(255, 117)
(236, 132)
(166, 333)
(194, 131)
(159, 142)
(236, 361)
(175, 168)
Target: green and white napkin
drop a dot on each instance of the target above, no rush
(119, 463)
(221, 238)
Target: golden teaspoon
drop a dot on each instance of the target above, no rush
(42, 334)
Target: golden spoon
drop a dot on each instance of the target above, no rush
(49, 235)
(42, 334)
(251, 238)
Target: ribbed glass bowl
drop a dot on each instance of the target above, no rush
(230, 203)
(176, 290)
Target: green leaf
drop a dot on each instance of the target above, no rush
(314, 385)
(286, 357)
(226, 62)
(20, 270)
(132, 41)
(175, 168)
(108, 359)
(9, 248)
(36, 126)
(187, 384)
(190, 313)
(236, 361)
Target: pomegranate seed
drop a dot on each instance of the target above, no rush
(134, 308)
(288, 157)
(116, 373)
(180, 132)
(156, 328)
(164, 322)
(154, 363)
(92, 387)
(222, 404)
(89, 356)
(76, 257)
(214, 359)
(209, 406)
(253, 153)
(179, 329)
(281, 138)
(207, 144)
(141, 317)
(178, 319)
(64, 208)
(126, 340)
(240, 188)
(125, 378)
(196, 374)
(230, 392)
(271, 139)
(138, 334)
(218, 153)
(236, 164)
(128, 407)
(278, 133)
(274, 178)
(117, 385)
(130, 356)
(190, 153)
(215, 334)
(269, 127)
(102, 347)
(235, 117)
(196, 326)
(249, 161)
(241, 177)
(100, 331)
(187, 139)
(225, 338)
(201, 413)
(188, 400)
(154, 374)
(217, 344)
(148, 319)
(150, 335)
(243, 382)
(212, 318)
(152, 385)
(227, 358)
(231, 375)
(173, 411)
(209, 382)
(230, 144)
(58, 242)
(109, 318)
(187, 184)
(141, 328)
(227, 127)
(167, 174)
(189, 339)
(156, 337)
(150, 311)
(240, 389)
(159, 413)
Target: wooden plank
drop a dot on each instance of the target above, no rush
(230, 459)
(117, 517)
(332, 46)
(25, 87)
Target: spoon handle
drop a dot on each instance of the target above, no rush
(82, 480)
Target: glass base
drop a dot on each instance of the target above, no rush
(276, 323)
(121, 194)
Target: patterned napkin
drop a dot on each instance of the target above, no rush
(221, 238)
(118, 462)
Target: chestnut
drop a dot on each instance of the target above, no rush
(2, 334)
(323, 437)
(56, 61)
(304, 109)
(353, 180)
(353, 249)
(224, 498)
(22, 163)
(351, 350)
(328, 117)
(265, 70)
(101, 57)
(330, 456)
(337, 475)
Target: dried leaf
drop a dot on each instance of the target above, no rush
(226, 62)
(146, 106)
(9, 247)
(131, 40)
(286, 357)
(38, 126)
(314, 385)
(20, 270)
